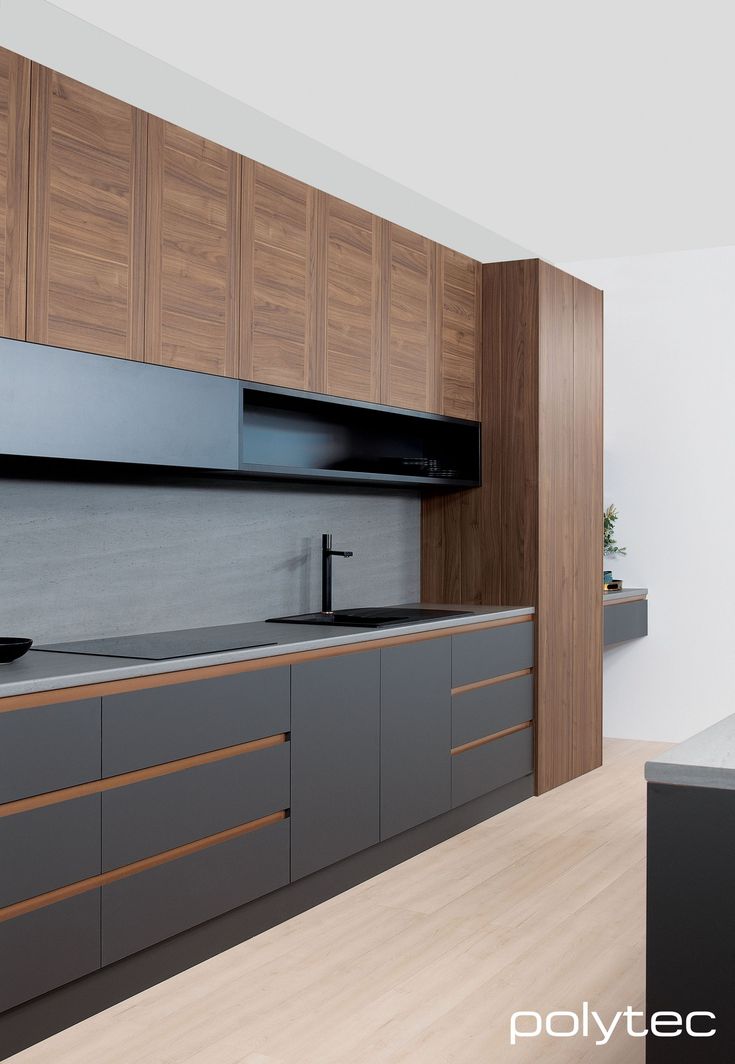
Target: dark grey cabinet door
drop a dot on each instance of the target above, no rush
(155, 815)
(487, 710)
(49, 747)
(49, 947)
(482, 769)
(624, 620)
(491, 652)
(335, 759)
(160, 902)
(415, 734)
(43, 849)
(160, 724)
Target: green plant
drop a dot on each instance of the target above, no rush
(609, 546)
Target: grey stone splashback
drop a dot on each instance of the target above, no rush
(98, 559)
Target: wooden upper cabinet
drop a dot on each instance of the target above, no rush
(279, 320)
(15, 88)
(192, 251)
(86, 218)
(150, 242)
(409, 360)
(460, 334)
(353, 302)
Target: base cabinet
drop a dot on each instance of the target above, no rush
(491, 765)
(335, 759)
(155, 904)
(175, 804)
(624, 620)
(49, 947)
(415, 734)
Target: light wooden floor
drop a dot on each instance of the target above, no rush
(540, 908)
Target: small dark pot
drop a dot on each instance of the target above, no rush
(12, 648)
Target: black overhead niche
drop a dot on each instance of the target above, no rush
(61, 408)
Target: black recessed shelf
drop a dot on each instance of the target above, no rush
(294, 435)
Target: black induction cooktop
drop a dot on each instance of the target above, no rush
(158, 646)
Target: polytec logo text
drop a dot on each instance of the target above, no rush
(589, 1024)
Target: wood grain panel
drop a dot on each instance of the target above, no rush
(86, 218)
(15, 102)
(281, 264)
(193, 229)
(408, 380)
(482, 544)
(460, 334)
(352, 355)
(555, 650)
(587, 524)
(441, 549)
(510, 406)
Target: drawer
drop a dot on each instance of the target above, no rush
(160, 902)
(491, 652)
(47, 848)
(486, 710)
(146, 818)
(624, 620)
(482, 769)
(49, 947)
(49, 747)
(161, 724)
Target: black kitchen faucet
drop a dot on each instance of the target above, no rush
(327, 554)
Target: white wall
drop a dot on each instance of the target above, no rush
(670, 469)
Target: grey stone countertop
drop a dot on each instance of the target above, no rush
(705, 760)
(44, 670)
(622, 596)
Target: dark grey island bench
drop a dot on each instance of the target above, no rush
(690, 937)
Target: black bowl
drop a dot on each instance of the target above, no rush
(10, 648)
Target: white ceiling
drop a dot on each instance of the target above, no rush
(575, 128)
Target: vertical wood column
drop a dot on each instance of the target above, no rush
(532, 533)
(555, 650)
(588, 502)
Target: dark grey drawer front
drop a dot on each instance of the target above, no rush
(335, 759)
(155, 815)
(156, 904)
(486, 710)
(492, 652)
(482, 769)
(48, 748)
(163, 724)
(49, 947)
(48, 848)
(625, 620)
(415, 714)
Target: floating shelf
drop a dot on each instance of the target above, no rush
(288, 434)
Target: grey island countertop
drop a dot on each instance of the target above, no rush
(705, 760)
(46, 670)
